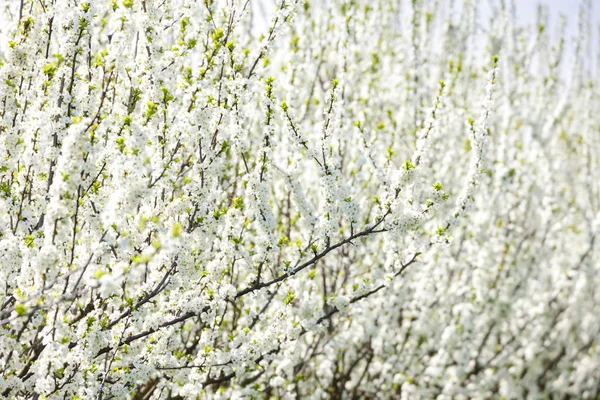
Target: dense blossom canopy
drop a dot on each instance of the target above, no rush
(363, 199)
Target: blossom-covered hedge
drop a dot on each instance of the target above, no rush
(365, 199)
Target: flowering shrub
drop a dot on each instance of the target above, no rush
(365, 200)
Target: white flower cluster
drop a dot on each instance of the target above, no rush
(363, 199)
